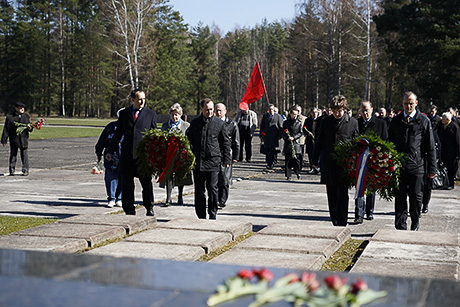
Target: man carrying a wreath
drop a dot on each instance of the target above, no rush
(412, 134)
(210, 144)
(337, 127)
(368, 122)
(133, 121)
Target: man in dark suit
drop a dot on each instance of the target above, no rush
(412, 134)
(210, 144)
(132, 122)
(270, 134)
(337, 127)
(368, 122)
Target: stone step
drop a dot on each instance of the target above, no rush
(413, 254)
(45, 244)
(179, 239)
(293, 245)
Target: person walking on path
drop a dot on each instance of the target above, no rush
(225, 173)
(412, 134)
(246, 121)
(175, 123)
(292, 132)
(133, 121)
(211, 146)
(435, 119)
(338, 127)
(112, 168)
(18, 142)
(368, 122)
(309, 129)
(270, 134)
(449, 136)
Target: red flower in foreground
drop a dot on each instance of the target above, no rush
(263, 274)
(359, 285)
(245, 274)
(335, 282)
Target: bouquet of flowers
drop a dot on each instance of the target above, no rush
(20, 127)
(164, 154)
(370, 164)
(98, 168)
(298, 290)
(291, 144)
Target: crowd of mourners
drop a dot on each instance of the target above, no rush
(430, 141)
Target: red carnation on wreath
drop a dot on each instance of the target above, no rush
(163, 154)
(383, 165)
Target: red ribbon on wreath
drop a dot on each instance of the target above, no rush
(171, 155)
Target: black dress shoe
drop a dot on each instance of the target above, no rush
(180, 201)
(25, 174)
(370, 217)
(425, 210)
(415, 228)
(450, 188)
(150, 212)
(359, 220)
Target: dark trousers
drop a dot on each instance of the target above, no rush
(13, 158)
(127, 196)
(364, 205)
(270, 156)
(337, 200)
(206, 181)
(427, 192)
(410, 186)
(225, 179)
(246, 144)
(292, 164)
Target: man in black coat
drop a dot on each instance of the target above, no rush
(435, 119)
(132, 122)
(449, 136)
(310, 130)
(270, 134)
(337, 127)
(211, 146)
(368, 122)
(17, 141)
(412, 134)
(225, 173)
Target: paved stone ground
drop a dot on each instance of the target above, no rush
(60, 185)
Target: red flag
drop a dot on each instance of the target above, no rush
(255, 90)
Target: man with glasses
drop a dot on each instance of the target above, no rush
(17, 141)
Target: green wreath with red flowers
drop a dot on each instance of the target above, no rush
(383, 165)
(164, 154)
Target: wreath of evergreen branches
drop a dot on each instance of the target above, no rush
(384, 164)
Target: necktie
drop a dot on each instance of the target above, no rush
(136, 114)
(408, 118)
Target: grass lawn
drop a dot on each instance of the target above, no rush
(92, 122)
(49, 132)
(9, 224)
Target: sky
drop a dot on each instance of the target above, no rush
(229, 14)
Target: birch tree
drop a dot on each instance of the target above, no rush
(130, 20)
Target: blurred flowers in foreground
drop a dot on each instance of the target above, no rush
(304, 290)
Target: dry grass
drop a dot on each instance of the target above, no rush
(225, 248)
(345, 257)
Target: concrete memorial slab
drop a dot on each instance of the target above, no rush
(131, 223)
(93, 234)
(324, 247)
(406, 268)
(341, 234)
(149, 251)
(417, 237)
(208, 240)
(46, 244)
(269, 258)
(235, 228)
